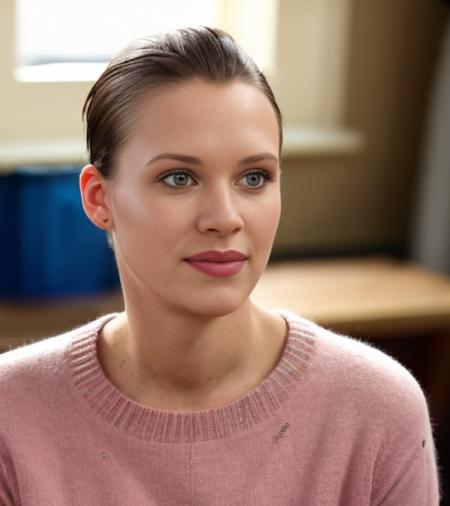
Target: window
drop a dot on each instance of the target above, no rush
(51, 51)
(60, 41)
(47, 61)
(73, 41)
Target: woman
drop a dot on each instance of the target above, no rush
(194, 394)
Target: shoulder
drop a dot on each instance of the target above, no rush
(35, 356)
(25, 371)
(361, 394)
(356, 374)
(31, 360)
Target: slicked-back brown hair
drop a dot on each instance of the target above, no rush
(154, 63)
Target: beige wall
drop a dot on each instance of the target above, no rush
(34, 110)
(363, 201)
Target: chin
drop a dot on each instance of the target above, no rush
(214, 307)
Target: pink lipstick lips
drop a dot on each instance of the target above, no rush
(217, 263)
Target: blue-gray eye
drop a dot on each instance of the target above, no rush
(180, 178)
(256, 177)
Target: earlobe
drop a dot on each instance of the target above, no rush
(93, 197)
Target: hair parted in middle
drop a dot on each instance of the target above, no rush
(155, 63)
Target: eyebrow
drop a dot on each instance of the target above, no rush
(193, 159)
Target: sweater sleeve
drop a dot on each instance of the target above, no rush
(406, 471)
(6, 485)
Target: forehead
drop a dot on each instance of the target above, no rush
(197, 114)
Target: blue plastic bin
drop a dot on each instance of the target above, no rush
(48, 245)
(9, 235)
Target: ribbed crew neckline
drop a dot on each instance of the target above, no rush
(147, 423)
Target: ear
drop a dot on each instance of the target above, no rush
(94, 197)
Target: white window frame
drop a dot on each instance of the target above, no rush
(308, 71)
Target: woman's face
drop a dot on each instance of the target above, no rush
(186, 183)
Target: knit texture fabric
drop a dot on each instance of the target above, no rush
(337, 422)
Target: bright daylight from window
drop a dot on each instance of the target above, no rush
(72, 41)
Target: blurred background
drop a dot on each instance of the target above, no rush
(364, 241)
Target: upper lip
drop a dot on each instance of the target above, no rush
(217, 256)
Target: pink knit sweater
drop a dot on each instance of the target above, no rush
(335, 423)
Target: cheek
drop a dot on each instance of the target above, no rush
(146, 220)
(262, 225)
(271, 213)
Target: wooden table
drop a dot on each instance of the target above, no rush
(373, 297)
(376, 296)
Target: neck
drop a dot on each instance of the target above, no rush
(187, 361)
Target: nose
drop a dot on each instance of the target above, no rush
(220, 212)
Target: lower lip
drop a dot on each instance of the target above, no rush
(218, 269)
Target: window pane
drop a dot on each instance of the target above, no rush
(54, 31)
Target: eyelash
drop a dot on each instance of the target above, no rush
(267, 177)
